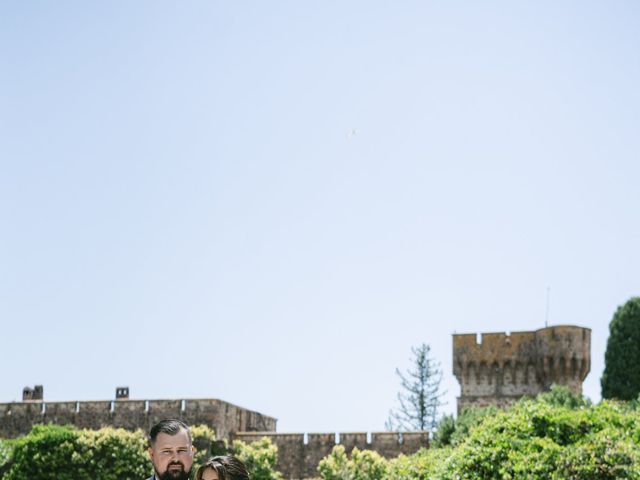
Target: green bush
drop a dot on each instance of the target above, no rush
(452, 431)
(111, 454)
(419, 466)
(557, 436)
(363, 465)
(64, 453)
(561, 396)
(260, 458)
(336, 465)
(537, 440)
(6, 447)
(203, 439)
(46, 453)
(369, 465)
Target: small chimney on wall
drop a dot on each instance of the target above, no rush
(122, 393)
(35, 394)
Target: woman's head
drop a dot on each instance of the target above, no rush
(222, 468)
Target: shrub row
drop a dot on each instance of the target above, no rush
(556, 436)
(52, 452)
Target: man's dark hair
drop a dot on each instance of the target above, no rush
(170, 426)
(227, 468)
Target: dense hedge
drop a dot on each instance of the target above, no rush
(554, 437)
(52, 452)
(539, 440)
(5, 456)
(260, 457)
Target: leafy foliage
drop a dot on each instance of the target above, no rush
(65, 453)
(539, 440)
(444, 432)
(556, 436)
(420, 397)
(419, 466)
(114, 453)
(561, 396)
(259, 457)
(621, 377)
(46, 453)
(363, 465)
(369, 465)
(6, 452)
(54, 452)
(336, 465)
(203, 439)
(452, 431)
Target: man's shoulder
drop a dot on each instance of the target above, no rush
(152, 477)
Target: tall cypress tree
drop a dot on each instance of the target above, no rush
(621, 377)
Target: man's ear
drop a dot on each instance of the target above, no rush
(150, 452)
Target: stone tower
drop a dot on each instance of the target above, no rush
(497, 368)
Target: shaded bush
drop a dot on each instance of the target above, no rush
(557, 436)
(561, 396)
(5, 456)
(53, 452)
(46, 453)
(63, 453)
(260, 458)
(452, 431)
(203, 439)
(419, 466)
(539, 440)
(363, 465)
(111, 454)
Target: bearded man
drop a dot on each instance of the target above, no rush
(170, 450)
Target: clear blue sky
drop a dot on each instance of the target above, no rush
(271, 202)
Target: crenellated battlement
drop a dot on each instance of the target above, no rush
(499, 368)
(300, 453)
(17, 418)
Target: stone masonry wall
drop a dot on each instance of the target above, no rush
(502, 368)
(299, 454)
(17, 418)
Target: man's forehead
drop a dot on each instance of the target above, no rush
(166, 440)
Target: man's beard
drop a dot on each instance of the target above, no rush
(173, 474)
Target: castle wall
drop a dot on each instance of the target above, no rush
(17, 418)
(300, 454)
(501, 368)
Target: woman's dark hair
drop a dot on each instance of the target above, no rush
(227, 468)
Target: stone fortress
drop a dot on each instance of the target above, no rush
(493, 369)
(298, 453)
(499, 368)
(17, 418)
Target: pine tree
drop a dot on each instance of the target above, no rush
(420, 396)
(621, 377)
